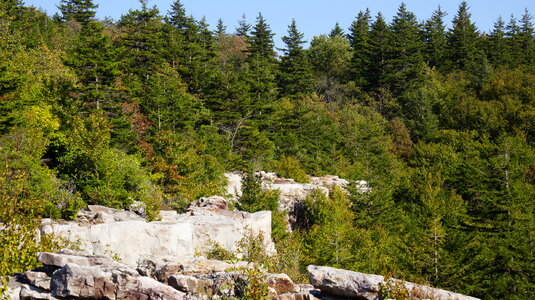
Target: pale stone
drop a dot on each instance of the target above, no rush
(33, 293)
(98, 282)
(344, 283)
(234, 185)
(210, 203)
(128, 240)
(39, 279)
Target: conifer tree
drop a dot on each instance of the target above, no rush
(434, 37)
(262, 61)
(221, 29)
(359, 39)
(526, 39)
(497, 49)
(177, 17)
(244, 28)
(463, 40)
(94, 60)
(81, 11)
(261, 40)
(336, 31)
(404, 61)
(295, 75)
(379, 36)
(143, 41)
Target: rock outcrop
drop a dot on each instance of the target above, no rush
(350, 285)
(71, 276)
(291, 193)
(127, 236)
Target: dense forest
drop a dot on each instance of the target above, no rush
(438, 118)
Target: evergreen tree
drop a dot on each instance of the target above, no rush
(295, 75)
(94, 60)
(221, 29)
(192, 48)
(261, 39)
(81, 11)
(143, 41)
(434, 37)
(511, 36)
(261, 71)
(243, 28)
(404, 62)
(359, 39)
(497, 49)
(177, 17)
(337, 31)
(379, 36)
(526, 39)
(463, 40)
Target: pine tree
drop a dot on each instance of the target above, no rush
(463, 39)
(404, 62)
(434, 37)
(295, 75)
(336, 31)
(359, 39)
(81, 11)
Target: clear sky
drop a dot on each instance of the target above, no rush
(313, 17)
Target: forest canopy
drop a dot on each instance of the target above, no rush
(438, 118)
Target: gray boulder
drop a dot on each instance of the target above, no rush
(99, 282)
(349, 284)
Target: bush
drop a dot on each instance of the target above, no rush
(289, 167)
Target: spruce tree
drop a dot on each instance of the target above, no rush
(261, 39)
(379, 36)
(526, 39)
(244, 28)
(295, 75)
(404, 61)
(434, 37)
(221, 29)
(497, 49)
(359, 39)
(94, 60)
(177, 17)
(336, 31)
(463, 40)
(143, 42)
(81, 11)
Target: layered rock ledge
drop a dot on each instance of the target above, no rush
(127, 236)
(69, 275)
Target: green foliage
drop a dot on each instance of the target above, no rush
(81, 11)
(440, 124)
(289, 167)
(254, 198)
(183, 167)
(20, 211)
(329, 240)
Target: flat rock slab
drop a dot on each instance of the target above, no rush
(350, 284)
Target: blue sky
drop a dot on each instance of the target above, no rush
(313, 17)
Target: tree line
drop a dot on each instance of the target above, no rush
(155, 107)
